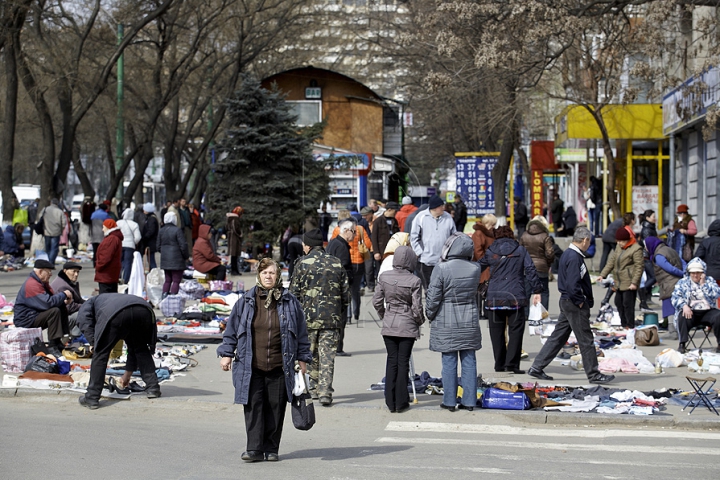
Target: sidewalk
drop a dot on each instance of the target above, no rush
(353, 376)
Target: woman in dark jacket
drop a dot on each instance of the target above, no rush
(510, 267)
(266, 335)
(149, 231)
(14, 242)
(173, 250)
(709, 250)
(398, 302)
(234, 237)
(451, 306)
(647, 229)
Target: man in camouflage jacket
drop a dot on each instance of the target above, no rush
(320, 283)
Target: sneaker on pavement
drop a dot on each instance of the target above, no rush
(602, 379)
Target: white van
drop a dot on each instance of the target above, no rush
(25, 193)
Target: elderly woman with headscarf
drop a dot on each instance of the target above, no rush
(265, 336)
(174, 253)
(233, 229)
(510, 267)
(397, 240)
(398, 301)
(451, 306)
(669, 269)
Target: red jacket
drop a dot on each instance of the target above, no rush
(402, 215)
(203, 255)
(196, 222)
(108, 259)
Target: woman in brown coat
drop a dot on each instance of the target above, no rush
(536, 240)
(482, 238)
(234, 237)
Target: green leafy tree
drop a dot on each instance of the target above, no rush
(266, 165)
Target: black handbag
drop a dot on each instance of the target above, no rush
(41, 364)
(39, 226)
(303, 411)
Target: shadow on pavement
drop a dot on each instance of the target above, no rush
(344, 453)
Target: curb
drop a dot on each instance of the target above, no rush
(536, 417)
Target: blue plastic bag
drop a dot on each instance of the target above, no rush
(503, 400)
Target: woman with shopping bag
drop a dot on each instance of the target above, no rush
(265, 335)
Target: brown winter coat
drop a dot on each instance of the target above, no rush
(203, 255)
(381, 233)
(482, 238)
(539, 245)
(234, 234)
(627, 265)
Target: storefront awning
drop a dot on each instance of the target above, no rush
(626, 122)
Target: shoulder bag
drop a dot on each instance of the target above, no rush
(362, 248)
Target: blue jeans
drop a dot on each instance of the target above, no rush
(52, 247)
(595, 225)
(127, 261)
(468, 377)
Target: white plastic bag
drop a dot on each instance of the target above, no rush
(137, 276)
(669, 358)
(300, 382)
(538, 312)
(153, 285)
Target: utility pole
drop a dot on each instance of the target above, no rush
(120, 121)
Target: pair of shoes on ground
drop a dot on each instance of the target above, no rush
(463, 407)
(598, 379)
(255, 456)
(402, 409)
(343, 354)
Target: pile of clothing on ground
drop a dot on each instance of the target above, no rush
(8, 263)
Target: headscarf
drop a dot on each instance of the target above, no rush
(275, 291)
(651, 243)
(170, 217)
(238, 210)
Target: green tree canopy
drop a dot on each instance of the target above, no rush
(266, 165)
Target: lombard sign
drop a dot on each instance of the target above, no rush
(689, 102)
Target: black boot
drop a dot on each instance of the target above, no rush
(681, 347)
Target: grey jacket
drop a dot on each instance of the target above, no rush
(173, 248)
(428, 236)
(452, 299)
(54, 221)
(238, 341)
(397, 297)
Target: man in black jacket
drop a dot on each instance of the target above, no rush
(339, 247)
(105, 320)
(576, 299)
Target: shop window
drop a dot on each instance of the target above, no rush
(308, 112)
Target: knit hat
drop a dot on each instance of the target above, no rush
(313, 238)
(682, 208)
(149, 208)
(622, 234)
(366, 211)
(407, 201)
(435, 202)
(109, 223)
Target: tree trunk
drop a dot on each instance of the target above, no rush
(87, 187)
(7, 134)
(610, 187)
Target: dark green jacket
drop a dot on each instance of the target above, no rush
(319, 281)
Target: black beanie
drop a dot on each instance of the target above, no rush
(313, 238)
(435, 202)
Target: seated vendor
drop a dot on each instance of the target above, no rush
(13, 241)
(37, 305)
(67, 279)
(203, 255)
(695, 301)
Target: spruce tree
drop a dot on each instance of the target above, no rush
(266, 164)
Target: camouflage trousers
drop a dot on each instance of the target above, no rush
(323, 346)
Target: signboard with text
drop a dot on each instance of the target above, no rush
(475, 183)
(644, 197)
(536, 193)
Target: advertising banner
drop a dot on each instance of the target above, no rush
(536, 193)
(474, 181)
(644, 198)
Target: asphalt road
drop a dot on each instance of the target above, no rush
(54, 438)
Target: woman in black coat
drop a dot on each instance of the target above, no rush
(174, 253)
(510, 266)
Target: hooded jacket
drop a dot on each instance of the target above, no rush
(33, 298)
(709, 250)
(397, 297)
(403, 214)
(203, 255)
(536, 240)
(108, 260)
(238, 341)
(510, 266)
(627, 264)
(681, 293)
(428, 235)
(130, 229)
(173, 247)
(451, 303)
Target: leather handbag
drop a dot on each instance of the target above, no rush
(362, 248)
(647, 337)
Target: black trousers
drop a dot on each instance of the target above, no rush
(707, 318)
(95, 249)
(135, 325)
(219, 272)
(358, 274)
(625, 303)
(425, 274)
(107, 288)
(506, 355)
(397, 370)
(55, 321)
(265, 410)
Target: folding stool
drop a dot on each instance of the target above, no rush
(698, 384)
(706, 331)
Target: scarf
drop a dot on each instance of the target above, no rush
(651, 243)
(272, 293)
